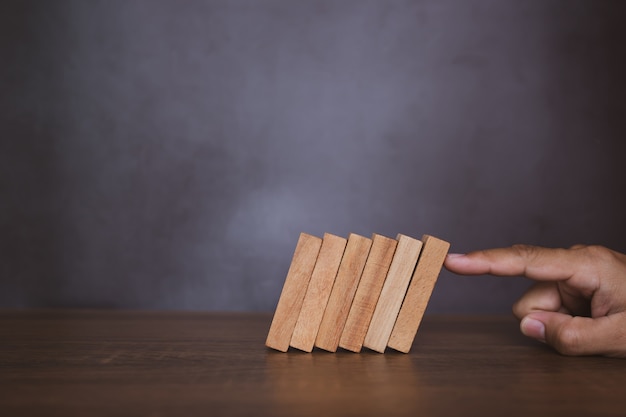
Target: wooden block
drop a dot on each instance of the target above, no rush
(340, 300)
(367, 293)
(419, 292)
(316, 297)
(392, 294)
(294, 289)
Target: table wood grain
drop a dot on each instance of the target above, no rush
(107, 363)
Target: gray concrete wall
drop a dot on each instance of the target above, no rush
(166, 154)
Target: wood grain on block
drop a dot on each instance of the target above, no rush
(392, 294)
(343, 291)
(367, 293)
(420, 289)
(294, 289)
(317, 293)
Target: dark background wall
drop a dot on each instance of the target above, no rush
(166, 154)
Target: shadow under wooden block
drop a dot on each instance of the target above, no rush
(393, 292)
(318, 292)
(420, 289)
(343, 291)
(294, 289)
(367, 293)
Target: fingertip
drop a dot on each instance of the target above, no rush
(533, 328)
(467, 263)
(454, 261)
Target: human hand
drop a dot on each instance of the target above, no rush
(577, 305)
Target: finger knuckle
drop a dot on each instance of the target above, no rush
(527, 252)
(568, 340)
(578, 246)
(599, 252)
(518, 309)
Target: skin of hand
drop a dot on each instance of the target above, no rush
(578, 302)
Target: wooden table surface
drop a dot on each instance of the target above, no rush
(90, 363)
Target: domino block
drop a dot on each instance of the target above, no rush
(294, 289)
(392, 294)
(318, 292)
(342, 295)
(356, 292)
(420, 289)
(367, 293)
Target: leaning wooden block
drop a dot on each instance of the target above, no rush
(294, 289)
(392, 294)
(419, 292)
(318, 291)
(343, 291)
(367, 293)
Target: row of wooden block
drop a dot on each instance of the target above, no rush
(356, 292)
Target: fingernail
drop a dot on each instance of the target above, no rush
(455, 255)
(533, 328)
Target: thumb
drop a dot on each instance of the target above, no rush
(574, 336)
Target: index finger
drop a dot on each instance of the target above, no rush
(543, 264)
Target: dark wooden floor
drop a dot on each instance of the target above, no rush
(92, 363)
